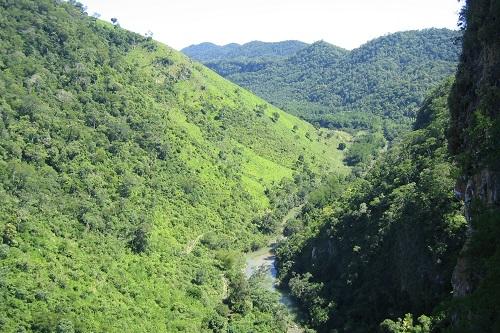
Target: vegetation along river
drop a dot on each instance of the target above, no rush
(265, 259)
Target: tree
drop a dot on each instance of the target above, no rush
(139, 241)
(406, 325)
(239, 298)
(275, 117)
(65, 326)
(216, 323)
(309, 292)
(267, 223)
(9, 234)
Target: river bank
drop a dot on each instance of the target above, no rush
(264, 259)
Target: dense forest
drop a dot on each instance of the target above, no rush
(385, 244)
(385, 79)
(131, 180)
(413, 245)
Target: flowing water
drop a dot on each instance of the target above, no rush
(265, 259)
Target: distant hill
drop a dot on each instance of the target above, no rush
(382, 82)
(210, 52)
(131, 179)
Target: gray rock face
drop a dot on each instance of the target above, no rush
(485, 187)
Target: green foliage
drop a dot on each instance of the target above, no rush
(475, 96)
(275, 117)
(269, 315)
(9, 234)
(364, 148)
(65, 326)
(239, 298)
(291, 227)
(125, 170)
(406, 325)
(475, 128)
(386, 244)
(386, 78)
(480, 311)
(216, 323)
(308, 293)
(139, 241)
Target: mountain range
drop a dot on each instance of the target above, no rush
(387, 77)
(209, 52)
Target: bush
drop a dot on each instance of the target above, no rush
(275, 117)
(9, 234)
(65, 326)
(406, 325)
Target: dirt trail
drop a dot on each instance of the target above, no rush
(225, 286)
(190, 246)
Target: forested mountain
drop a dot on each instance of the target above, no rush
(414, 241)
(308, 61)
(253, 50)
(386, 79)
(384, 245)
(131, 179)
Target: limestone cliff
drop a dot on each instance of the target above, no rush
(473, 139)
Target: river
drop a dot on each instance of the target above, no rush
(265, 259)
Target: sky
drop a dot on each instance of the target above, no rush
(345, 23)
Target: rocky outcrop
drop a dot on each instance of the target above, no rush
(475, 128)
(485, 188)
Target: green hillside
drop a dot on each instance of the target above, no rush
(131, 179)
(387, 77)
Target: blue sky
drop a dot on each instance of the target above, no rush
(346, 23)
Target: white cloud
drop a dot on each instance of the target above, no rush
(346, 23)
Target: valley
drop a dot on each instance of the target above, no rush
(279, 187)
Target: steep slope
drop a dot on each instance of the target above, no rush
(474, 132)
(385, 245)
(205, 52)
(130, 178)
(386, 78)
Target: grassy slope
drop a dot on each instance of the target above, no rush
(104, 133)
